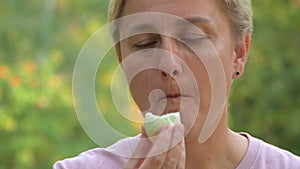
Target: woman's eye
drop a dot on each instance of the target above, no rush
(146, 44)
(193, 39)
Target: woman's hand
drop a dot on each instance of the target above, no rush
(167, 151)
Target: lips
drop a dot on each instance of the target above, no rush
(173, 102)
(175, 95)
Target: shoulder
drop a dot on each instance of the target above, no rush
(263, 155)
(114, 156)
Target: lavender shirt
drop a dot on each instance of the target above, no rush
(260, 155)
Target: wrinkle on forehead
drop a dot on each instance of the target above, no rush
(160, 23)
(179, 8)
(183, 9)
(170, 4)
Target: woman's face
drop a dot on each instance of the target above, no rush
(179, 66)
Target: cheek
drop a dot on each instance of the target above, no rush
(142, 85)
(226, 54)
(225, 50)
(203, 83)
(228, 65)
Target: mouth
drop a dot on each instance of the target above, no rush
(173, 96)
(174, 102)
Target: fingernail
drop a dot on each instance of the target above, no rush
(144, 135)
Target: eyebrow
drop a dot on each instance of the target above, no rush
(141, 27)
(183, 21)
(193, 19)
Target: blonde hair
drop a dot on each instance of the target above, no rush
(239, 13)
(240, 16)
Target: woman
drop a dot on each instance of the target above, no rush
(224, 32)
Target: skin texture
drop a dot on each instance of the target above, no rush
(224, 149)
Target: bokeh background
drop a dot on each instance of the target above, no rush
(41, 39)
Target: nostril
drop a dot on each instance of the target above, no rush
(175, 72)
(164, 73)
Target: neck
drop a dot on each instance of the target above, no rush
(224, 149)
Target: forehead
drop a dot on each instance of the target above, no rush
(209, 13)
(181, 8)
(161, 23)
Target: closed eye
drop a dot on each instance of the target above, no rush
(193, 40)
(146, 44)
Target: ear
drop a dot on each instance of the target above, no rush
(118, 52)
(241, 55)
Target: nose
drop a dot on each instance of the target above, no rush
(170, 64)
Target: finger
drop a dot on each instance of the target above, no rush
(143, 146)
(177, 135)
(182, 156)
(140, 152)
(157, 154)
(182, 159)
(176, 154)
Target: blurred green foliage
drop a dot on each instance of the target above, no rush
(265, 101)
(39, 43)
